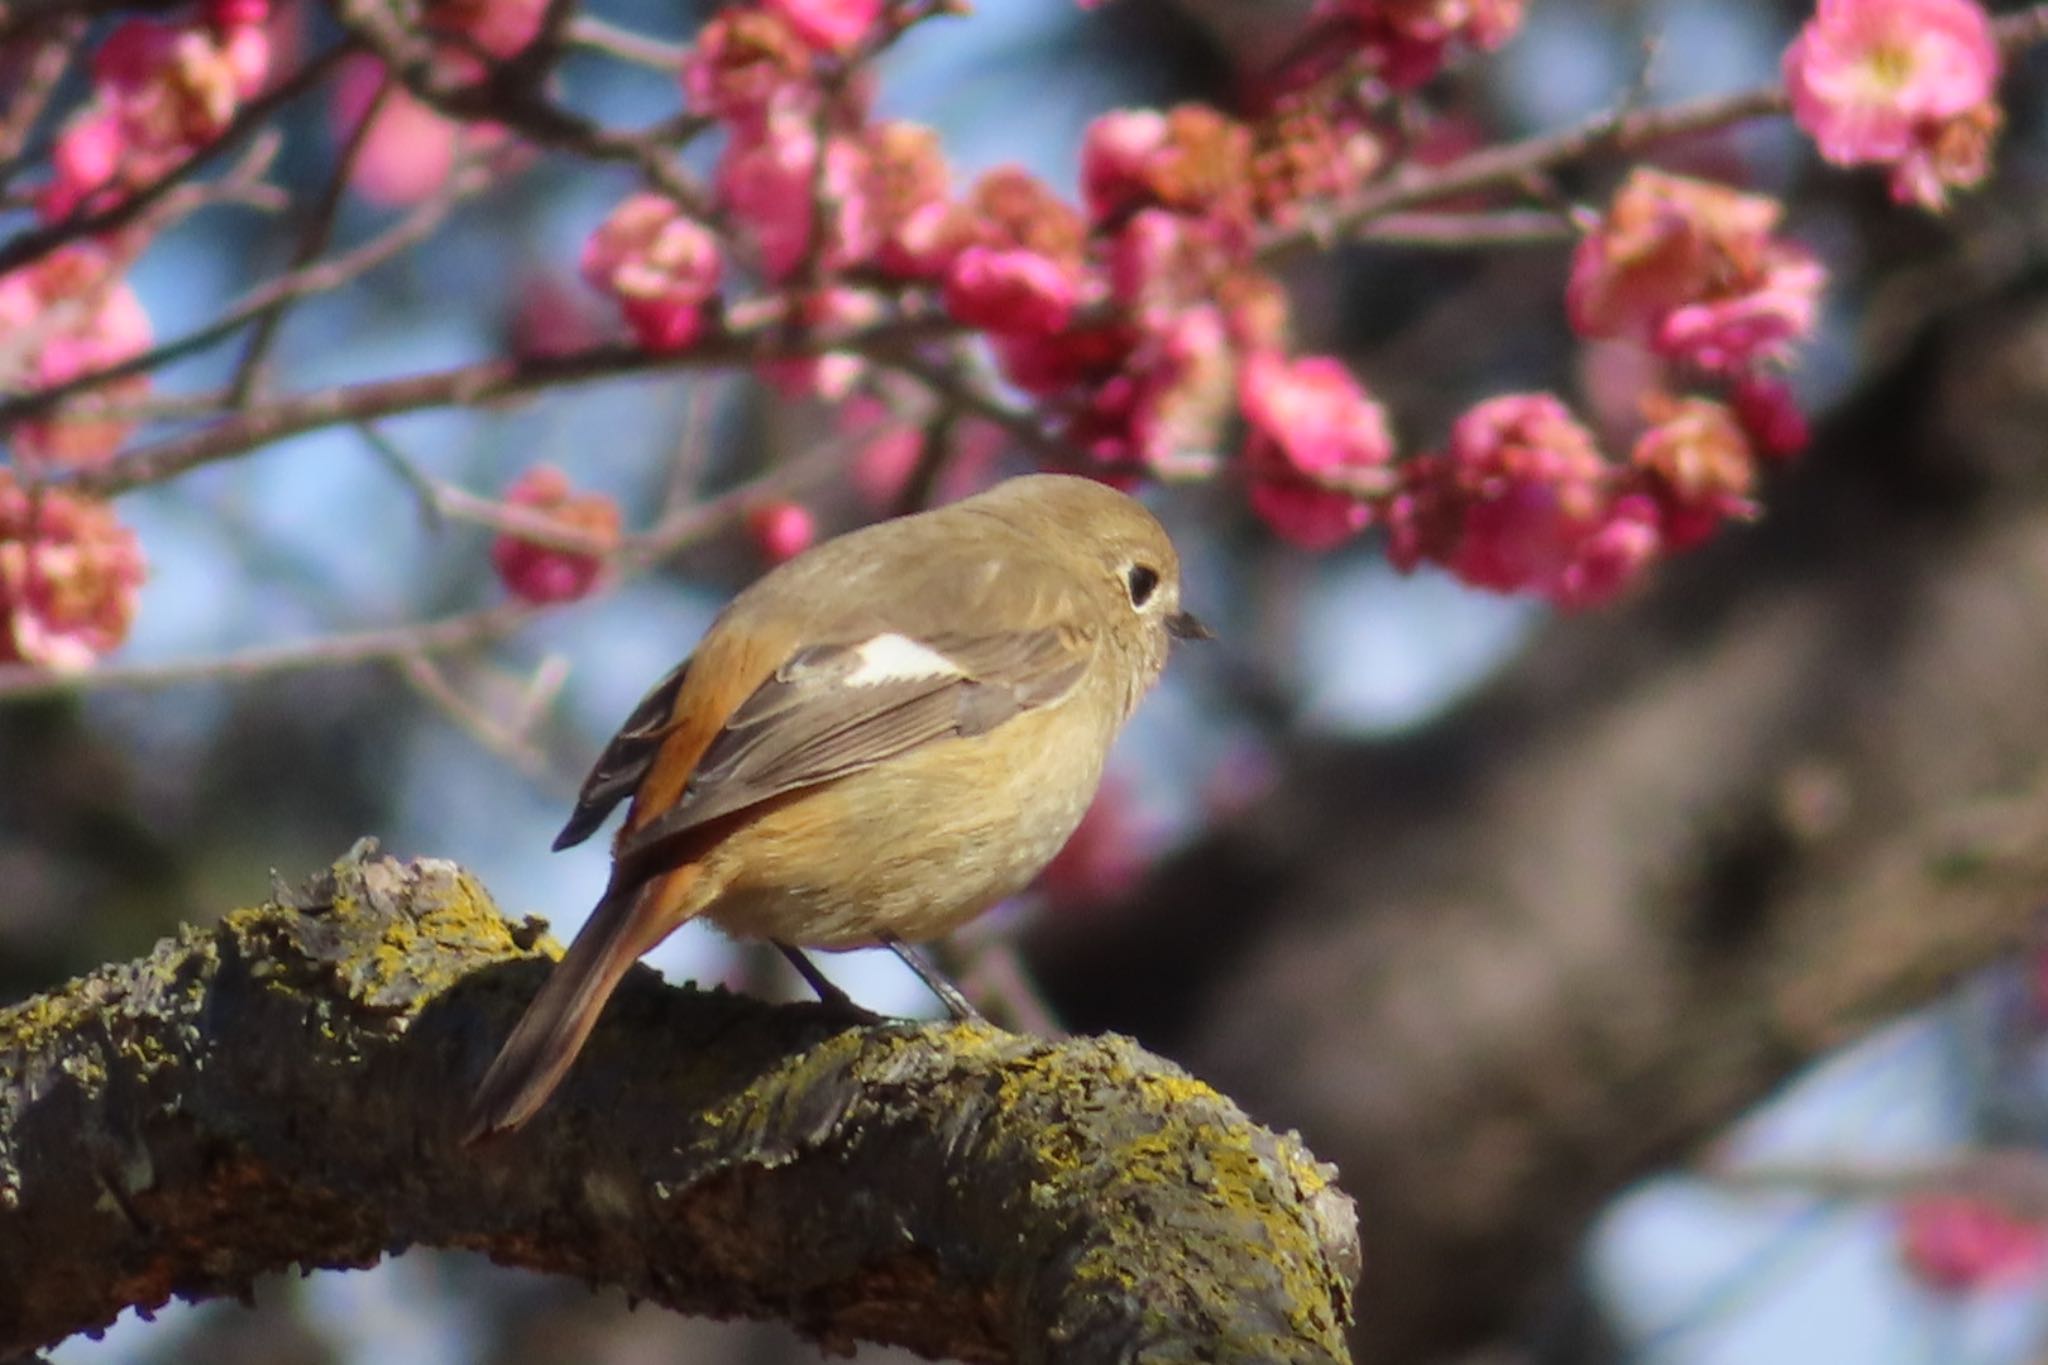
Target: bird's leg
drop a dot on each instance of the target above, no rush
(817, 980)
(949, 995)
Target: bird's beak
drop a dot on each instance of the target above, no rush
(1185, 625)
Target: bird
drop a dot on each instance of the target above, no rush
(872, 744)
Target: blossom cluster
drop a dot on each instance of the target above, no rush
(161, 90)
(1904, 84)
(1141, 320)
(69, 577)
(1139, 317)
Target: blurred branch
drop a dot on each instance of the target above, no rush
(2013, 1179)
(599, 35)
(677, 528)
(285, 1089)
(762, 335)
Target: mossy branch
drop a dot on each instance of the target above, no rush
(286, 1089)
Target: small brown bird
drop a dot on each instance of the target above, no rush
(872, 744)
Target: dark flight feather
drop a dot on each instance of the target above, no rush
(625, 760)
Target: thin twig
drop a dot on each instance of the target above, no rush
(587, 30)
(1465, 231)
(318, 278)
(461, 631)
(513, 745)
(449, 634)
(757, 339)
(319, 231)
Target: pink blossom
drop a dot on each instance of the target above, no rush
(1951, 155)
(781, 529)
(1115, 154)
(1315, 145)
(1162, 262)
(70, 576)
(745, 62)
(543, 574)
(662, 267)
(1874, 81)
(1163, 408)
(1048, 364)
(160, 91)
(1010, 207)
(768, 181)
(835, 26)
(1697, 467)
(411, 150)
(1611, 556)
(1409, 39)
(1959, 1244)
(917, 226)
(1522, 501)
(1010, 291)
(70, 317)
(1191, 159)
(1693, 270)
(1317, 448)
(1733, 333)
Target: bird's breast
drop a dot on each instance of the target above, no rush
(917, 845)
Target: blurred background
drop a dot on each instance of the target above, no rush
(1524, 921)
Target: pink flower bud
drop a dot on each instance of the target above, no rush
(781, 529)
(1957, 1244)
(70, 577)
(1771, 416)
(662, 267)
(542, 574)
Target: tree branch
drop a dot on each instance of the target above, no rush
(286, 1088)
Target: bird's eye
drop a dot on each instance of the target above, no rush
(1143, 581)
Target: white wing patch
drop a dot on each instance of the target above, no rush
(898, 658)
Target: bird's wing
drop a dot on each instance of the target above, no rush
(616, 774)
(831, 710)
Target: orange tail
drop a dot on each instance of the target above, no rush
(625, 924)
